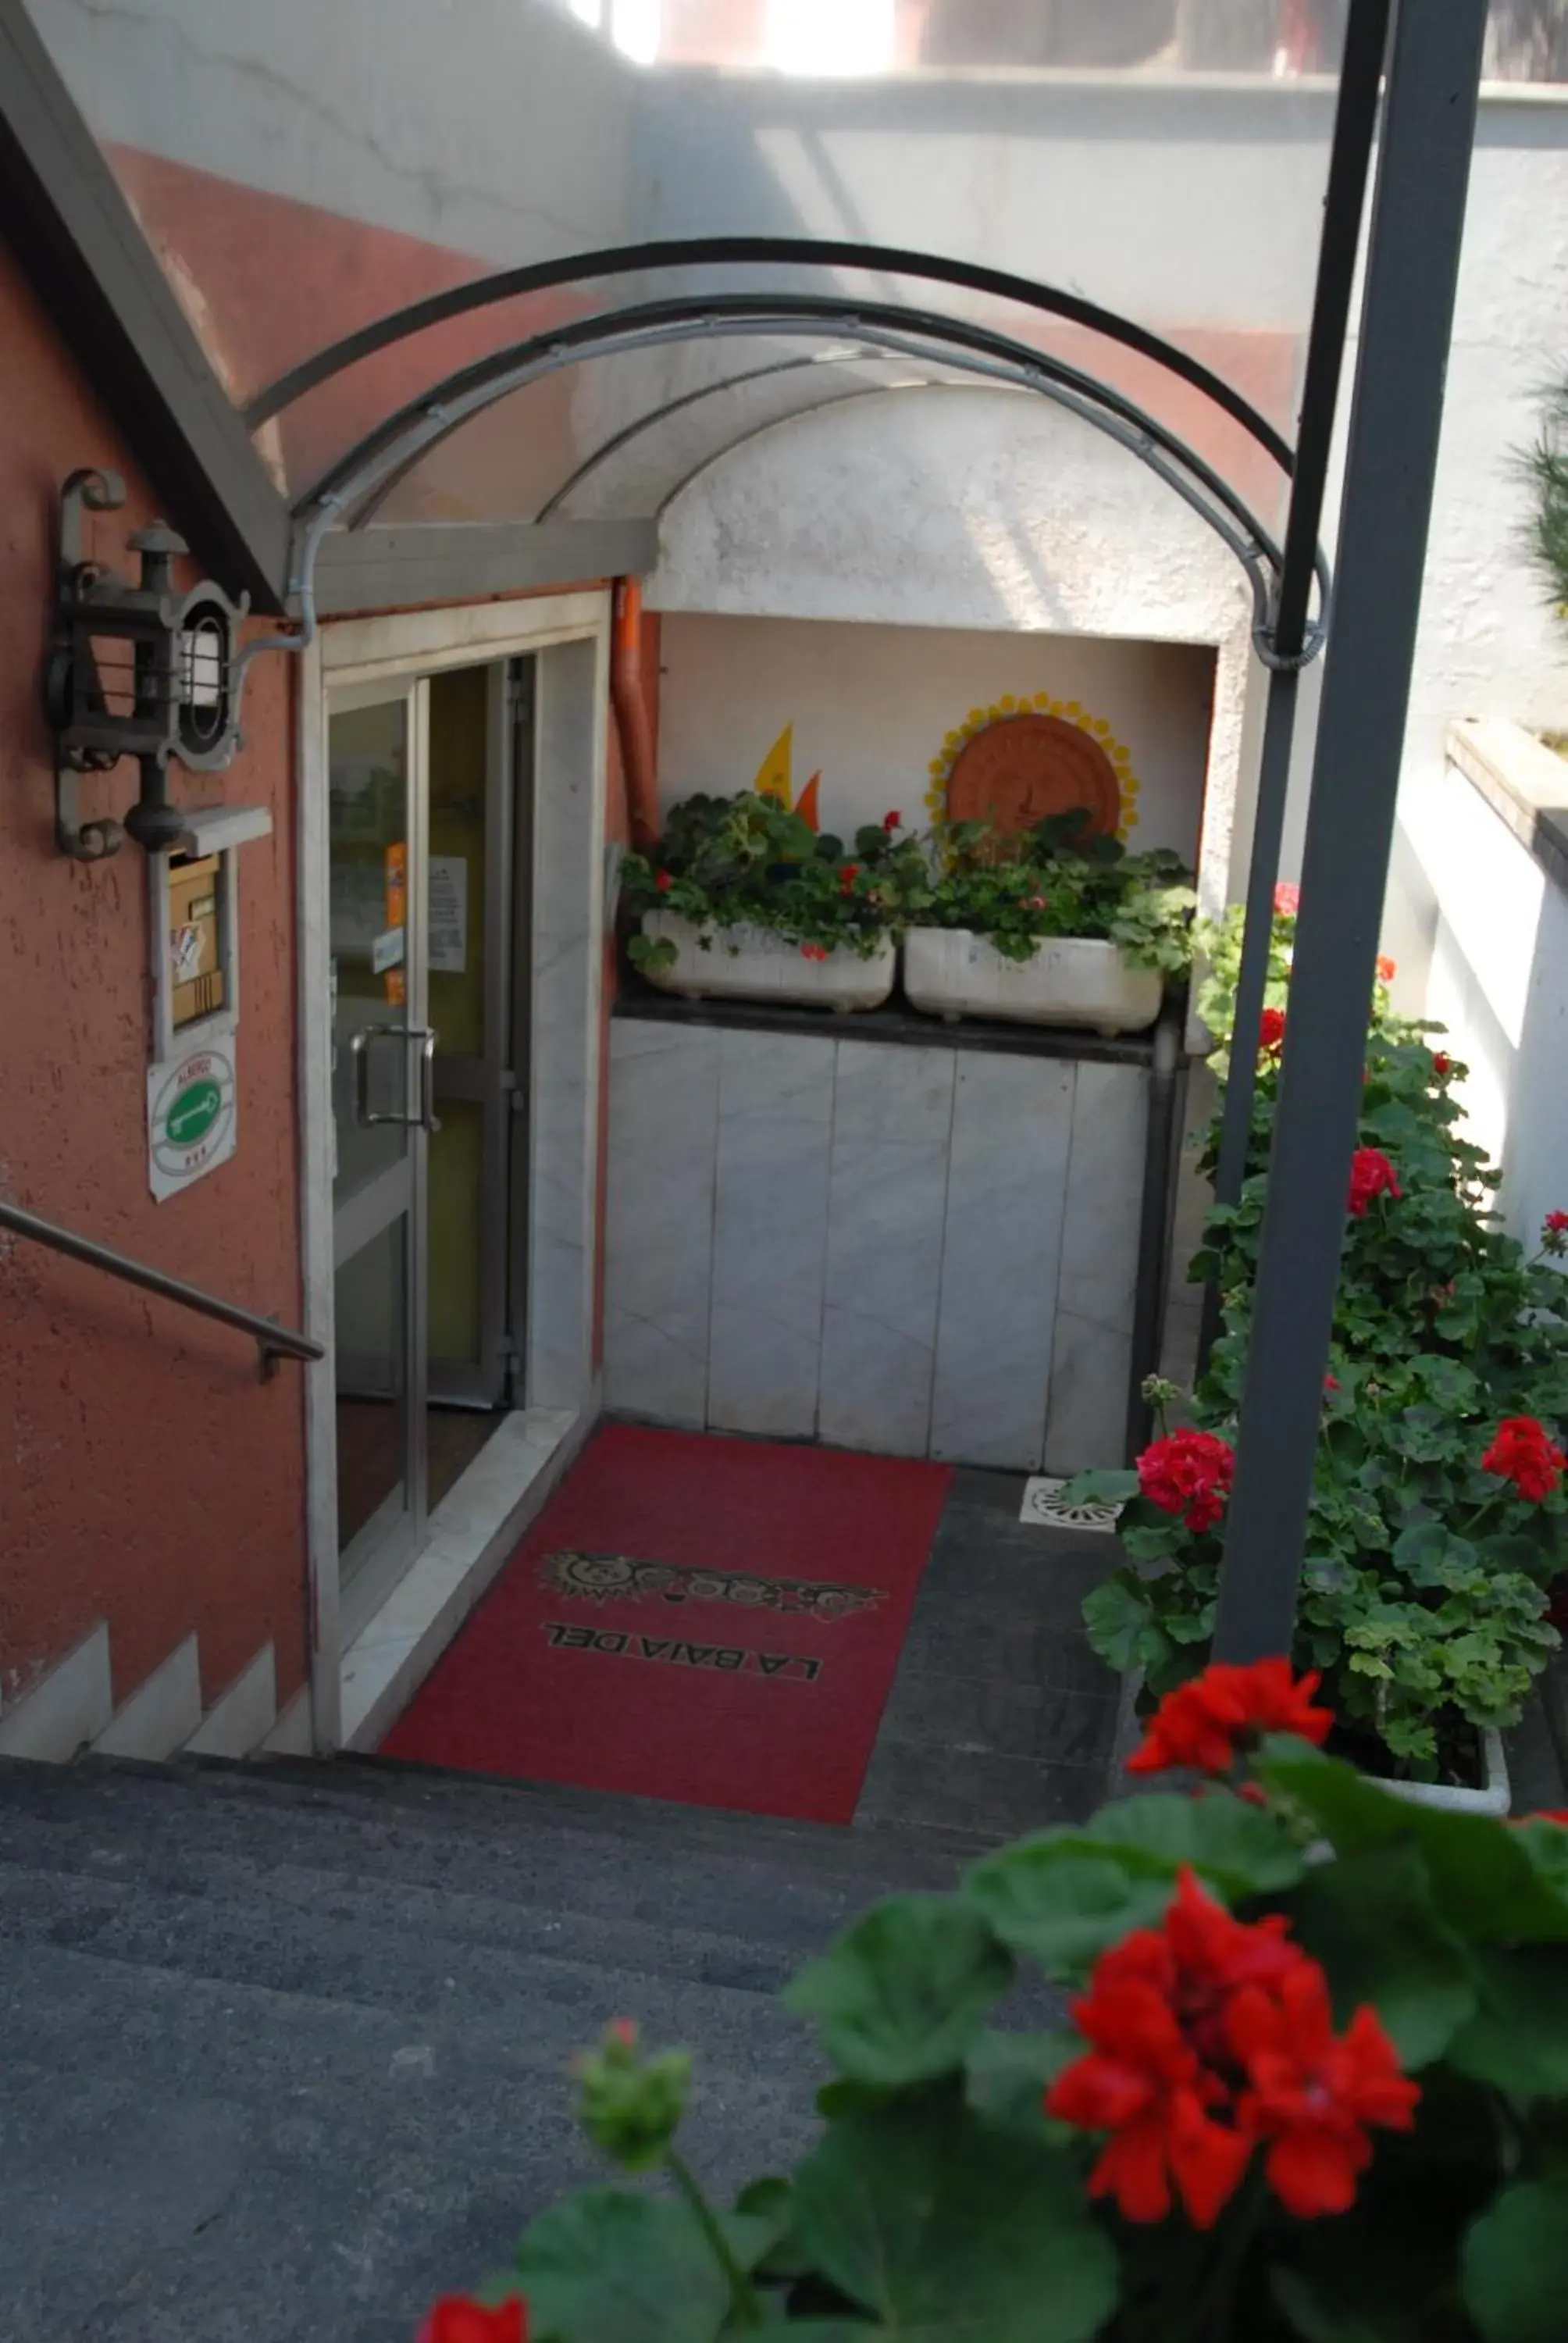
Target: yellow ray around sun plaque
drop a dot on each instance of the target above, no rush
(1006, 710)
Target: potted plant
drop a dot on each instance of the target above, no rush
(1437, 1523)
(742, 898)
(1290, 2100)
(1047, 928)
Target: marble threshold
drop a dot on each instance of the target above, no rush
(473, 1534)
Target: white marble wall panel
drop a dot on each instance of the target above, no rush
(659, 1219)
(1086, 1420)
(770, 1232)
(892, 1125)
(567, 979)
(1006, 1195)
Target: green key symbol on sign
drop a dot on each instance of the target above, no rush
(194, 1112)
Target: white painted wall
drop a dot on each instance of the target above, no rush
(871, 707)
(496, 127)
(1489, 643)
(1043, 536)
(1479, 932)
(1497, 977)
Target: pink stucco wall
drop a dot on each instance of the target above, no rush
(147, 1476)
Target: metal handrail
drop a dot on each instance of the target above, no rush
(273, 1341)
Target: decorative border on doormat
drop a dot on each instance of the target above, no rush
(620, 1577)
(1044, 1507)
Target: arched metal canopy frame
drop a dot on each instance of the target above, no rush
(608, 449)
(357, 481)
(756, 252)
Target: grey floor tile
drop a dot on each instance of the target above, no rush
(994, 1796)
(1039, 1722)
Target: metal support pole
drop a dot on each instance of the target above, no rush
(1252, 984)
(1407, 320)
(1360, 79)
(1162, 1140)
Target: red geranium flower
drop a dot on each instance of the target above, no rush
(1197, 1959)
(1201, 1724)
(1387, 970)
(1313, 2092)
(1442, 1064)
(1371, 1174)
(1159, 2071)
(848, 875)
(1271, 1031)
(456, 2319)
(1287, 900)
(1523, 1453)
(1188, 1473)
(890, 821)
(813, 951)
(1557, 1222)
(1554, 1233)
(1331, 1384)
(664, 882)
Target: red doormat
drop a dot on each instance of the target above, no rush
(712, 1621)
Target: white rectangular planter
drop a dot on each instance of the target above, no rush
(747, 963)
(1494, 1798)
(1074, 981)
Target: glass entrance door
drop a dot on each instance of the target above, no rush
(479, 762)
(382, 1109)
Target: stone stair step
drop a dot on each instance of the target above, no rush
(428, 1792)
(561, 2003)
(520, 1853)
(220, 2189)
(197, 1881)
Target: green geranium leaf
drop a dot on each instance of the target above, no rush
(1007, 2075)
(1516, 2265)
(1117, 1614)
(610, 2267)
(771, 2203)
(1100, 1485)
(1490, 1883)
(1518, 2039)
(901, 1997)
(943, 2225)
(1371, 1921)
(1425, 1549)
(1237, 1848)
(1062, 1901)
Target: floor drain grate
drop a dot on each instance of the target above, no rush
(1042, 1505)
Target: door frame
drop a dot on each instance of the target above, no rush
(385, 1546)
(569, 635)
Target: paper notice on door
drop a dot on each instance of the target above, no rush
(185, 954)
(448, 915)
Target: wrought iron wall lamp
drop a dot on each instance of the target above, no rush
(141, 670)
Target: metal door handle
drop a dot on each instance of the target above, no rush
(426, 1038)
(360, 1049)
